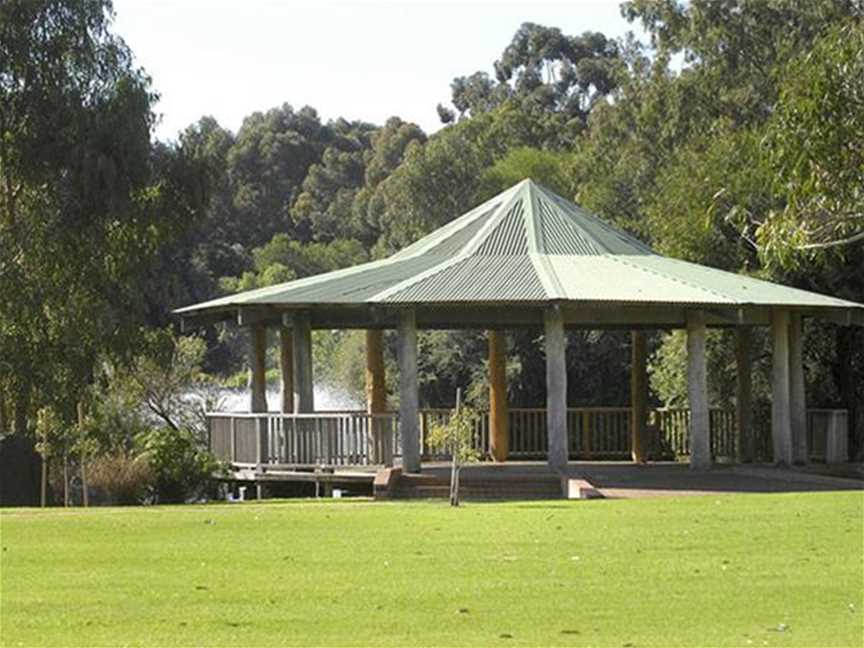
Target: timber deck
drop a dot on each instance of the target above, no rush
(527, 480)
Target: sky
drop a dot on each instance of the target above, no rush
(358, 60)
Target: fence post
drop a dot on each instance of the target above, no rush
(586, 434)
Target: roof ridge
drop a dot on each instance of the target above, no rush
(547, 275)
(471, 247)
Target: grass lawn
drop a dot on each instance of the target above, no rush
(700, 571)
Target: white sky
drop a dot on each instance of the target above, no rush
(359, 60)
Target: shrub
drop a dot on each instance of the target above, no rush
(181, 468)
(119, 479)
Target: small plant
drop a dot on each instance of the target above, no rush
(120, 478)
(457, 436)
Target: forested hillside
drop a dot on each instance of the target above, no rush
(734, 138)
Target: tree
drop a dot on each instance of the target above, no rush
(549, 168)
(267, 163)
(547, 73)
(816, 150)
(78, 215)
(457, 437)
(323, 210)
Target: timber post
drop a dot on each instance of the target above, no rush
(376, 397)
(499, 441)
(697, 391)
(556, 389)
(638, 397)
(257, 368)
(408, 399)
(781, 422)
(258, 394)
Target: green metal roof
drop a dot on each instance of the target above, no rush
(526, 245)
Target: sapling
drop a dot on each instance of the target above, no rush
(457, 435)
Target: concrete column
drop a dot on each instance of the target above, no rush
(797, 396)
(781, 421)
(258, 394)
(408, 410)
(638, 397)
(745, 442)
(697, 391)
(257, 368)
(286, 367)
(499, 440)
(556, 389)
(304, 394)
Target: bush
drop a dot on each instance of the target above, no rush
(119, 479)
(181, 468)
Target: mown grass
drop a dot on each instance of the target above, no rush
(727, 571)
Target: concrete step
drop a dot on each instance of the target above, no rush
(430, 486)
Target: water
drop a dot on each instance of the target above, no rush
(326, 398)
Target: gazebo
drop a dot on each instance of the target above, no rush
(524, 258)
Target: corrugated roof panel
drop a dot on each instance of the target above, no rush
(560, 234)
(508, 237)
(605, 237)
(485, 256)
(735, 287)
(605, 278)
(449, 239)
(357, 287)
(478, 278)
(461, 237)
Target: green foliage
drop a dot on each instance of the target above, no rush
(707, 188)
(668, 369)
(546, 167)
(151, 411)
(86, 201)
(52, 435)
(747, 157)
(555, 77)
(815, 140)
(181, 468)
(435, 183)
(340, 362)
(457, 435)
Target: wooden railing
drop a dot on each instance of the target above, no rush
(331, 438)
(358, 439)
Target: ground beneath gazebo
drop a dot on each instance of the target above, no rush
(534, 480)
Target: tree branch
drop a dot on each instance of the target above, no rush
(829, 244)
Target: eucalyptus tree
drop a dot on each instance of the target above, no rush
(81, 208)
(555, 77)
(267, 164)
(323, 209)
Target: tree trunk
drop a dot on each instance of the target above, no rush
(454, 499)
(43, 490)
(65, 478)
(85, 498)
(454, 452)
